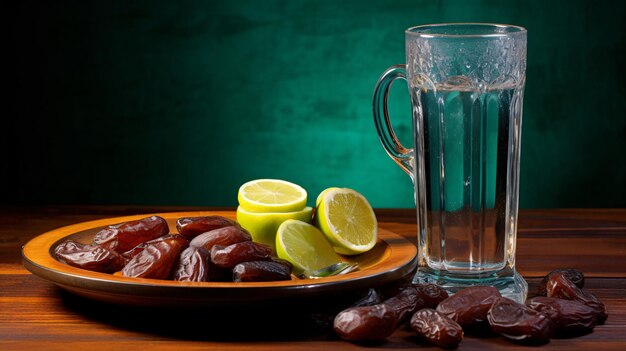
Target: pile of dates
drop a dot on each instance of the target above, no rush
(209, 248)
(562, 309)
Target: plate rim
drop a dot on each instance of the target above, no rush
(86, 282)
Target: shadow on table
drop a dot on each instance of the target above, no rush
(267, 322)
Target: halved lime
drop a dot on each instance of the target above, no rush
(304, 246)
(271, 195)
(347, 220)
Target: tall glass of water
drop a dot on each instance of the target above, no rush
(466, 82)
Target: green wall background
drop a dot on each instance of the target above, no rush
(178, 103)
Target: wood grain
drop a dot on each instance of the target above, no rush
(36, 315)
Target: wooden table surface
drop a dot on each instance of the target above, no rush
(35, 314)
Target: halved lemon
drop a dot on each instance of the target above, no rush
(304, 246)
(321, 195)
(263, 226)
(347, 220)
(271, 195)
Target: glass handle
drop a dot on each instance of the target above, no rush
(405, 158)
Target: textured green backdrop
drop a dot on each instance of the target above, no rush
(155, 102)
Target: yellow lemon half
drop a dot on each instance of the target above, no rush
(347, 220)
(263, 226)
(271, 195)
(304, 246)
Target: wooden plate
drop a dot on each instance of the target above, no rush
(392, 258)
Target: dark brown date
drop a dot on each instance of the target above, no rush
(431, 294)
(190, 227)
(91, 257)
(134, 251)
(156, 259)
(232, 255)
(469, 306)
(573, 275)
(375, 322)
(560, 287)
(437, 328)
(139, 248)
(261, 271)
(283, 262)
(404, 304)
(519, 322)
(569, 317)
(124, 236)
(193, 265)
(222, 236)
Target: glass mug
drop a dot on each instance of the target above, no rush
(466, 82)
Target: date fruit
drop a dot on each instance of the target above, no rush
(125, 236)
(375, 322)
(190, 227)
(261, 271)
(573, 275)
(431, 294)
(437, 328)
(223, 236)
(91, 257)
(519, 322)
(232, 255)
(469, 306)
(283, 262)
(561, 287)
(193, 265)
(134, 251)
(569, 317)
(139, 248)
(404, 304)
(157, 258)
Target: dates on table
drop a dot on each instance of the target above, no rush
(190, 227)
(431, 294)
(569, 317)
(375, 322)
(91, 257)
(561, 287)
(125, 236)
(437, 328)
(568, 311)
(519, 322)
(469, 306)
(573, 275)
(404, 304)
